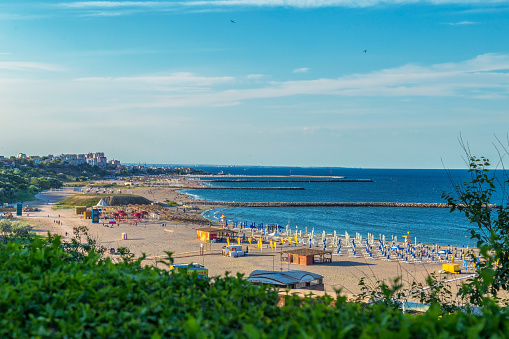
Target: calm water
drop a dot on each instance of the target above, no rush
(389, 185)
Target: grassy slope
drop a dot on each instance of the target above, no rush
(88, 199)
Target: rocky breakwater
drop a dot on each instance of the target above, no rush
(328, 204)
(289, 180)
(249, 188)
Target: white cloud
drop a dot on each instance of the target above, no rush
(485, 77)
(105, 14)
(29, 66)
(117, 4)
(164, 5)
(255, 76)
(182, 78)
(301, 70)
(333, 3)
(461, 23)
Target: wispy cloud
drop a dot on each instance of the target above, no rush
(165, 5)
(461, 23)
(29, 66)
(484, 77)
(182, 78)
(118, 4)
(301, 70)
(255, 76)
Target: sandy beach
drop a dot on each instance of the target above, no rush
(153, 239)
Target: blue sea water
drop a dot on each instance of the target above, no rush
(428, 225)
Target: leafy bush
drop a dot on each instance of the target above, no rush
(44, 294)
(14, 229)
(490, 229)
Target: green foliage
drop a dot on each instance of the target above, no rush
(22, 184)
(381, 293)
(44, 294)
(433, 292)
(70, 202)
(88, 199)
(171, 203)
(14, 230)
(491, 228)
(125, 253)
(82, 244)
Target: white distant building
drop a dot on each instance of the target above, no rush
(81, 159)
(21, 156)
(93, 159)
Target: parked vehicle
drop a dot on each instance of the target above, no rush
(233, 251)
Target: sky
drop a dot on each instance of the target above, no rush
(339, 83)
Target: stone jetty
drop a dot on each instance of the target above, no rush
(288, 180)
(325, 204)
(249, 188)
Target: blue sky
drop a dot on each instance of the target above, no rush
(288, 83)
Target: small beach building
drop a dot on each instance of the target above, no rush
(80, 209)
(293, 279)
(209, 234)
(306, 256)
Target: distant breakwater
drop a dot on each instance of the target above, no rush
(248, 188)
(325, 204)
(288, 180)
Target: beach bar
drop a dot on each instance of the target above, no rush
(293, 279)
(306, 256)
(209, 234)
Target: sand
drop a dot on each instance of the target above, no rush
(152, 239)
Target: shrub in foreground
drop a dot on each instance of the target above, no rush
(45, 294)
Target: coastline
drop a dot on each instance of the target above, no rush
(153, 239)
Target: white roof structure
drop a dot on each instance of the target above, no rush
(102, 203)
(282, 278)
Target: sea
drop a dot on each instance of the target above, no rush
(424, 225)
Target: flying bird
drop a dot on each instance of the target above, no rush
(365, 51)
(233, 22)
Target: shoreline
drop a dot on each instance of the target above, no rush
(154, 236)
